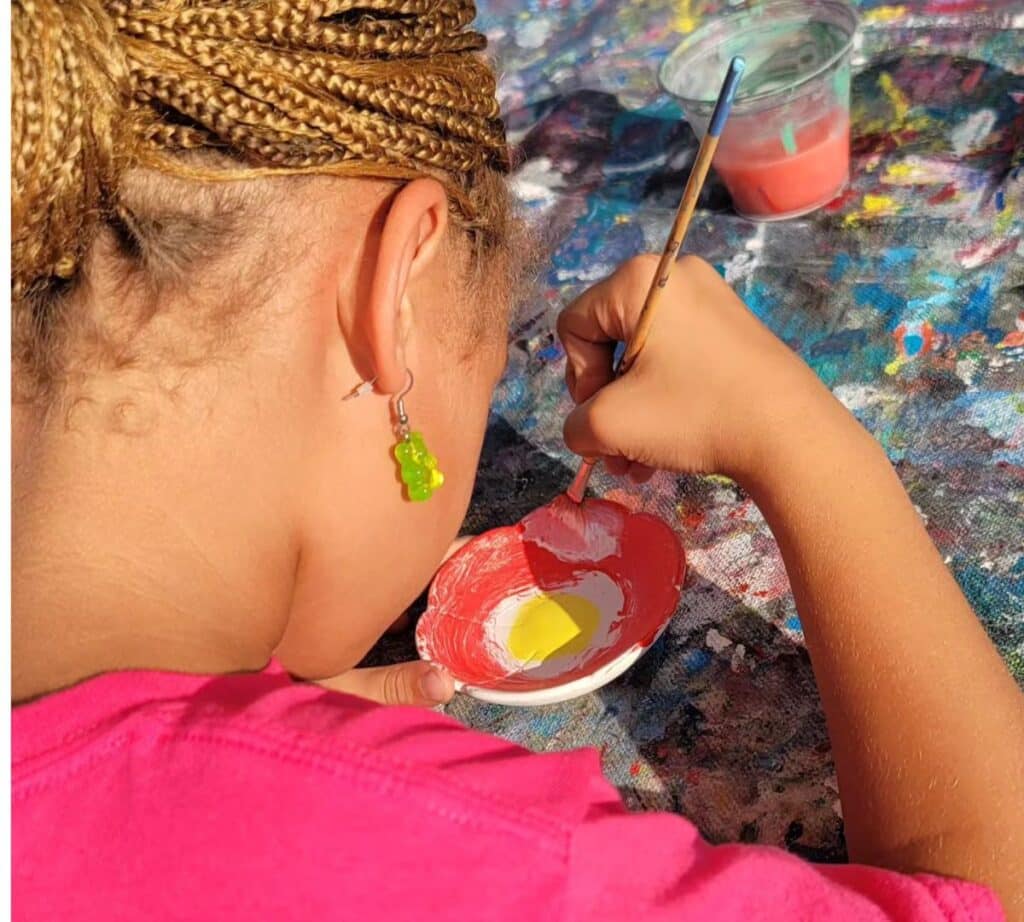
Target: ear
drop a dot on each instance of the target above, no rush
(413, 230)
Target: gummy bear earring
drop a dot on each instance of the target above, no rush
(417, 466)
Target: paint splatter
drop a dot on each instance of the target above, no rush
(972, 133)
(896, 97)
(872, 206)
(884, 14)
(686, 20)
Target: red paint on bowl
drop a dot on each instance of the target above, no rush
(552, 549)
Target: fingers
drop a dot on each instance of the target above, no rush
(598, 427)
(416, 683)
(601, 317)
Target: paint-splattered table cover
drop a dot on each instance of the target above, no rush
(906, 295)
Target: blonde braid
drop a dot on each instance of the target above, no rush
(385, 88)
(70, 140)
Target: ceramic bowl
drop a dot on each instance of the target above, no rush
(555, 606)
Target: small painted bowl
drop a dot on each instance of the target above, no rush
(555, 606)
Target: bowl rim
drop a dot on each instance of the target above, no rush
(556, 694)
(760, 10)
(575, 688)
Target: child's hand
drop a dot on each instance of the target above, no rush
(712, 390)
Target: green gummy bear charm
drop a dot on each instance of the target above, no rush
(417, 467)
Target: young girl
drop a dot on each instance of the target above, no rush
(228, 216)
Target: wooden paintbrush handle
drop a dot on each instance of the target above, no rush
(684, 214)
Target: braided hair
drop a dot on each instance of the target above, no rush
(375, 88)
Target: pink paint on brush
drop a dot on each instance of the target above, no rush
(634, 560)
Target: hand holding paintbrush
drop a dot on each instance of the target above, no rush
(681, 224)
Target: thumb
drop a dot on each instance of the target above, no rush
(600, 426)
(415, 683)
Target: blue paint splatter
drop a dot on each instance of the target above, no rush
(912, 343)
(840, 264)
(923, 305)
(1000, 200)
(550, 352)
(793, 623)
(759, 299)
(942, 280)
(898, 256)
(978, 307)
(696, 660)
(871, 294)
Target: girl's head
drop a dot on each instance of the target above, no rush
(226, 215)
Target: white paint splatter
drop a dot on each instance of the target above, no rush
(716, 641)
(744, 262)
(534, 32)
(971, 133)
(537, 183)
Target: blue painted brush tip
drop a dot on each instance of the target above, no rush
(725, 97)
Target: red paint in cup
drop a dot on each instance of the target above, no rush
(786, 148)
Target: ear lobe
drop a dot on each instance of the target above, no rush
(410, 239)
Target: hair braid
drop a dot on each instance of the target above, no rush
(388, 88)
(69, 139)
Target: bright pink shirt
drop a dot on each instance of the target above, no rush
(161, 796)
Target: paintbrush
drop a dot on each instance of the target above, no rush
(681, 224)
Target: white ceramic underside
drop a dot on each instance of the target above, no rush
(567, 691)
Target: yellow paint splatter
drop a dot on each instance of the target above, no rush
(895, 365)
(898, 101)
(548, 625)
(1003, 220)
(875, 204)
(685, 21)
(884, 14)
(871, 206)
(899, 173)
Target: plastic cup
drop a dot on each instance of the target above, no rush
(785, 150)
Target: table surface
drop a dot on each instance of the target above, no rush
(906, 295)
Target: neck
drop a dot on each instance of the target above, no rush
(126, 556)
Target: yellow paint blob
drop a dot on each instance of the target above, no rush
(884, 13)
(1003, 220)
(686, 21)
(898, 101)
(901, 173)
(561, 623)
(870, 206)
(875, 204)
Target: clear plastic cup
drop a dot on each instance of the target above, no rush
(785, 150)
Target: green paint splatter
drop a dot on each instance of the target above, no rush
(841, 85)
(788, 138)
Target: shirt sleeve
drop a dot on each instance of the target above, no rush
(656, 867)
